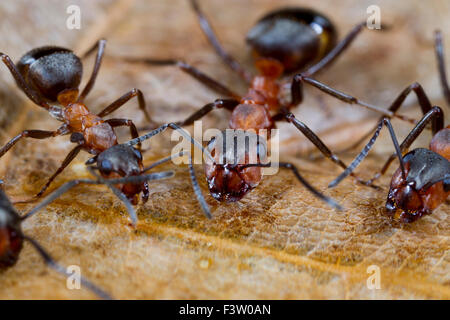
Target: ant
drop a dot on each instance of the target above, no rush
(229, 174)
(50, 77)
(262, 105)
(422, 182)
(124, 160)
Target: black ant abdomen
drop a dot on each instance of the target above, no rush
(38, 67)
(294, 36)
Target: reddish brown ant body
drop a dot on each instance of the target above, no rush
(50, 77)
(314, 45)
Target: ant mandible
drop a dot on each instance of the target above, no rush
(50, 77)
(262, 106)
(422, 182)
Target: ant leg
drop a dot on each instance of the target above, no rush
(337, 50)
(318, 143)
(100, 47)
(435, 114)
(226, 57)
(424, 103)
(124, 99)
(125, 122)
(439, 48)
(30, 93)
(190, 70)
(72, 154)
(297, 96)
(228, 104)
(62, 270)
(302, 180)
(366, 150)
(35, 134)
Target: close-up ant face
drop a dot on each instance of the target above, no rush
(296, 37)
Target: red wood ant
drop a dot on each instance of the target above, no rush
(422, 182)
(123, 160)
(50, 77)
(262, 105)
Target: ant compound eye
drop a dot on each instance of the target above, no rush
(106, 166)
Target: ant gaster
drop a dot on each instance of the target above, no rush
(50, 77)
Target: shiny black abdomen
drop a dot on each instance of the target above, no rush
(296, 37)
(51, 70)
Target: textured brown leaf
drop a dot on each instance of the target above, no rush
(278, 242)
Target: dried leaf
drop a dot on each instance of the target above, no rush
(279, 241)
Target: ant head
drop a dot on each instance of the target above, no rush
(294, 36)
(228, 178)
(11, 237)
(421, 188)
(53, 72)
(121, 159)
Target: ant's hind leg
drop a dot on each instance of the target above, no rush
(100, 47)
(439, 48)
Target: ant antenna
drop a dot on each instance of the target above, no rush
(194, 181)
(62, 270)
(302, 180)
(366, 150)
(110, 182)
